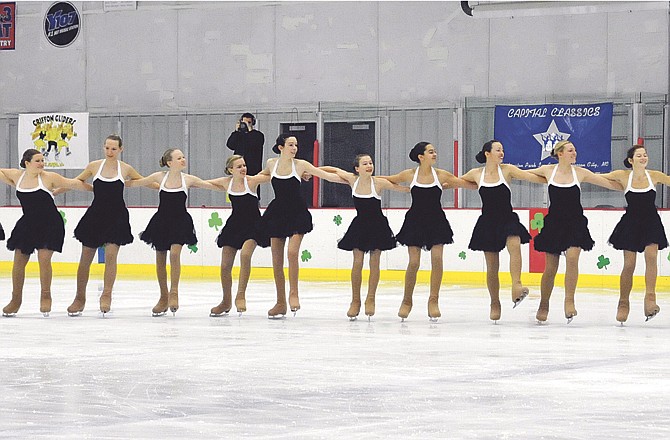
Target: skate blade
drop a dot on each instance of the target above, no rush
(277, 317)
(569, 318)
(158, 314)
(45, 314)
(353, 318)
(433, 319)
(219, 315)
(369, 318)
(650, 317)
(74, 313)
(9, 315)
(524, 294)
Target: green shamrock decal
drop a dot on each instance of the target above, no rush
(193, 248)
(603, 262)
(668, 257)
(462, 255)
(215, 221)
(62, 214)
(305, 256)
(337, 219)
(537, 223)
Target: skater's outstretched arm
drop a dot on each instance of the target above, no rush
(199, 183)
(55, 180)
(131, 174)
(448, 180)
(156, 177)
(589, 176)
(516, 173)
(385, 184)
(345, 176)
(659, 177)
(5, 176)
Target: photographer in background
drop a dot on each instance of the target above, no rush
(248, 143)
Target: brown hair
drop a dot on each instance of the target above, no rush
(167, 157)
(628, 161)
(117, 138)
(28, 156)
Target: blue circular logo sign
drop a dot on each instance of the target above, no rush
(62, 24)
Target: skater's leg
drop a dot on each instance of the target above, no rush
(651, 309)
(519, 293)
(175, 274)
(410, 280)
(293, 256)
(161, 275)
(245, 272)
(571, 277)
(436, 270)
(493, 283)
(373, 282)
(547, 285)
(227, 259)
(277, 247)
(18, 279)
(46, 275)
(356, 281)
(83, 271)
(626, 285)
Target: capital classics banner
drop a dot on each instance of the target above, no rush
(529, 132)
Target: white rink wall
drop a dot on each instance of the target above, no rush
(320, 246)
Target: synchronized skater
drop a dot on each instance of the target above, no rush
(425, 226)
(498, 226)
(286, 219)
(171, 227)
(106, 222)
(240, 233)
(369, 231)
(40, 228)
(640, 229)
(565, 228)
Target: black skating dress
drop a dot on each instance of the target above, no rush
(565, 225)
(172, 224)
(497, 221)
(425, 224)
(244, 222)
(370, 229)
(41, 225)
(287, 214)
(107, 219)
(640, 225)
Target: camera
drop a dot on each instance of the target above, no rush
(243, 128)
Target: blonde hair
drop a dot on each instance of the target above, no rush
(167, 157)
(558, 148)
(229, 163)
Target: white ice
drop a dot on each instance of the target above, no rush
(318, 375)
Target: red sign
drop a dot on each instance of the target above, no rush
(7, 26)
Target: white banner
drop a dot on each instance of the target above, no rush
(61, 137)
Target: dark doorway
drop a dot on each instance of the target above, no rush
(342, 141)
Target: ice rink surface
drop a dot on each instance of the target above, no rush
(318, 375)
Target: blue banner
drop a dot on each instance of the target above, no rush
(529, 132)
